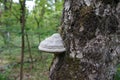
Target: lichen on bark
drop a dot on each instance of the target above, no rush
(90, 32)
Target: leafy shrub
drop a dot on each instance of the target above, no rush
(117, 76)
(2, 77)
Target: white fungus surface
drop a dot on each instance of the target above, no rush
(53, 43)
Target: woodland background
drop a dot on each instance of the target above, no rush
(41, 22)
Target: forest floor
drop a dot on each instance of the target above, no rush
(38, 70)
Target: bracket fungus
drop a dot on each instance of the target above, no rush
(52, 44)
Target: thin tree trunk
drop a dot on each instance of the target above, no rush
(42, 12)
(6, 33)
(29, 49)
(90, 33)
(22, 22)
(56, 5)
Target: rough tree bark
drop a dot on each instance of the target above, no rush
(90, 31)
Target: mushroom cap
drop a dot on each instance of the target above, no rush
(53, 44)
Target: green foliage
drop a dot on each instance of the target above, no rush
(117, 76)
(2, 77)
(42, 21)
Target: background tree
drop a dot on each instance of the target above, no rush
(7, 4)
(22, 22)
(90, 30)
(49, 21)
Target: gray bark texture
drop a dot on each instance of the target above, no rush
(91, 33)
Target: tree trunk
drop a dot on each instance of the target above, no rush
(6, 33)
(90, 31)
(29, 50)
(22, 23)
